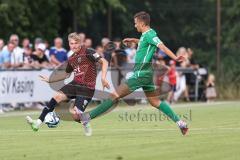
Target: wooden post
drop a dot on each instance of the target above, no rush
(218, 38)
(109, 21)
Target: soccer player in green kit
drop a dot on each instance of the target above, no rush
(143, 74)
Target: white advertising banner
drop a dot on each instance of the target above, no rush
(23, 86)
(26, 86)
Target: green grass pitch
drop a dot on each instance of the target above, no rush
(129, 133)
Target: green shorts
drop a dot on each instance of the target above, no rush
(146, 83)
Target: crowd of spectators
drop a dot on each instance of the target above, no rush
(39, 55)
(30, 56)
(16, 54)
(181, 81)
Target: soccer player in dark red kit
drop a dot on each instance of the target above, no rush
(84, 65)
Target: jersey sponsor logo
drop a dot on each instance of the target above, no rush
(77, 71)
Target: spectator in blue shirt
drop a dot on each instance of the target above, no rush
(5, 55)
(1, 44)
(58, 54)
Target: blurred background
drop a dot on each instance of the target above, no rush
(33, 39)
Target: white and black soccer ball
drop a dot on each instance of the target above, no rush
(52, 120)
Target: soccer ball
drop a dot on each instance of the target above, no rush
(52, 120)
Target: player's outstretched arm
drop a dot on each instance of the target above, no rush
(104, 64)
(130, 40)
(166, 50)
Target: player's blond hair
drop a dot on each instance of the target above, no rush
(75, 36)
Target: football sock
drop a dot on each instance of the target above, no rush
(49, 108)
(181, 123)
(81, 108)
(101, 108)
(81, 103)
(38, 122)
(166, 109)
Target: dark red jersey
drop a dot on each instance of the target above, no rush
(83, 64)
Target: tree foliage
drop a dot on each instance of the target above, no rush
(190, 23)
(29, 18)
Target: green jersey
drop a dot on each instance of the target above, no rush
(147, 46)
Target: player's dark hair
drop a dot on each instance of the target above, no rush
(144, 17)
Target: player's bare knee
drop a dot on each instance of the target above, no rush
(58, 97)
(155, 103)
(114, 97)
(75, 115)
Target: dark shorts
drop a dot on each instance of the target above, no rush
(82, 94)
(173, 87)
(72, 90)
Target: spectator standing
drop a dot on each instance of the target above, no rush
(192, 62)
(181, 78)
(17, 54)
(26, 43)
(105, 41)
(211, 93)
(58, 54)
(99, 50)
(82, 37)
(172, 78)
(39, 58)
(160, 57)
(47, 51)
(88, 43)
(108, 53)
(5, 56)
(37, 41)
(27, 58)
(131, 51)
(1, 44)
(120, 53)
